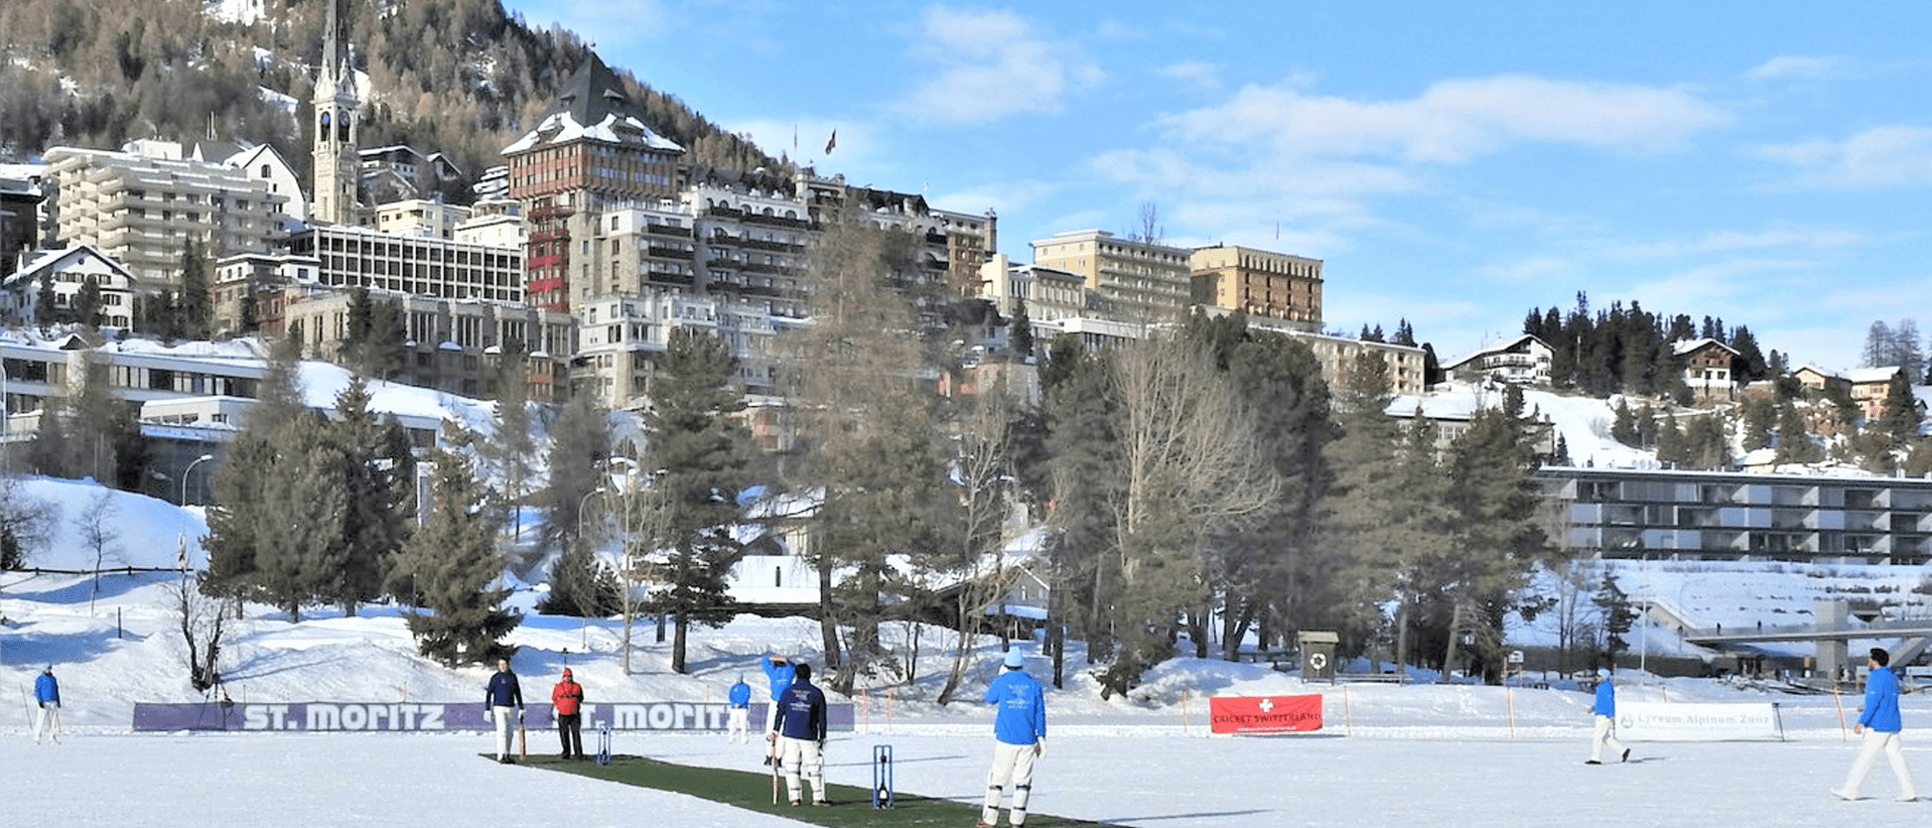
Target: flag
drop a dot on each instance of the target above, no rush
(831, 142)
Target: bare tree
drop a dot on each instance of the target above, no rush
(1149, 230)
(203, 621)
(983, 468)
(95, 525)
(1190, 469)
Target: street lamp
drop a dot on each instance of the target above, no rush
(580, 508)
(184, 475)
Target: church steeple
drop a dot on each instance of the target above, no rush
(336, 126)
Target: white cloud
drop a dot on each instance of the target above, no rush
(1724, 241)
(1453, 121)
(1197, 73)
(1799, 67)
(1531, 269)
(1877, 158)
(990, 65)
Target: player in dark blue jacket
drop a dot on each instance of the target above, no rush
(502, 697)
(801, 736)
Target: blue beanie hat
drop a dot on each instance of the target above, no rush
(1015, 658)
(1603, 672)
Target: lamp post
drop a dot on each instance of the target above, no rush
(184, 475)
(580, 508)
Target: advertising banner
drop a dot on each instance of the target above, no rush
(1265, 714)
(1688, 722)
(434, 716)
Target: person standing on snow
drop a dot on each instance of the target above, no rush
(1019, 737)
(801, 742)
(740, 698)
(47, 693)
(1880, 723)
(779, 673)
(568, 698)
(1605, 733)
(502, 697)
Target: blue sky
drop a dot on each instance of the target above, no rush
(1454, 164)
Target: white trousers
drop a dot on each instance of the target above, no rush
(1012, 764)
(44, 721)
(800, 757)
(1604, 736)
(735, 726)
(504, 716)
(1868, 750)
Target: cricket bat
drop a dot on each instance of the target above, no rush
(523, 753)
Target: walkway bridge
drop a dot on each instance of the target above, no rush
(1829, 634)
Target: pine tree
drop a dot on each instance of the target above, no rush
(245, 523)
(578, 464)
(1794, 443)
(1623, 428)
(701, 456)
(381, 470)
(1082, 473)
(450, 563)
(195, 308)
(1618, 617)
(1496, 528)
(1022, 333)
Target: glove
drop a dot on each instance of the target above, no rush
(1039, 747)
(821, 746)
(519, 715)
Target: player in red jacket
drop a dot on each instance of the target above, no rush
(568, 697)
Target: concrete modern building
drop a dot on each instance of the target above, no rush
(1138, 281)
(143, 204)
(1685, 515)
(349, 257)
(1259, 283)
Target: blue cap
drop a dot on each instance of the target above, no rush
(1015, 658)
(1603, 672)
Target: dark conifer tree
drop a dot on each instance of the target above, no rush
(700, 455)
(450, 563)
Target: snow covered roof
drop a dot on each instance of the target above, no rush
(1867, 376)
(1690, 346)
(1520, 343)
(593, 107)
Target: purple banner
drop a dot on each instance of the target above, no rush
(431, 716)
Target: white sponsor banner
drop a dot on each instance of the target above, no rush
(1688, 722)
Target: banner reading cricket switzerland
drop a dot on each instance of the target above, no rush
(1265, 714)
(393, 716)
(1688, 722)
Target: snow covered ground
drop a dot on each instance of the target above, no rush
(1388, 755)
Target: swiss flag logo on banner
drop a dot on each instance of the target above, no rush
(1265, 714)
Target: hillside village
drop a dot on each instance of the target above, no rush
(170, 271)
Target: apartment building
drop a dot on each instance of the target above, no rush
(1050, 294)
(1259, 283)
(621, 340)
(1691, 515)
(591, 153)
(142, 205)
(1140, 281)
